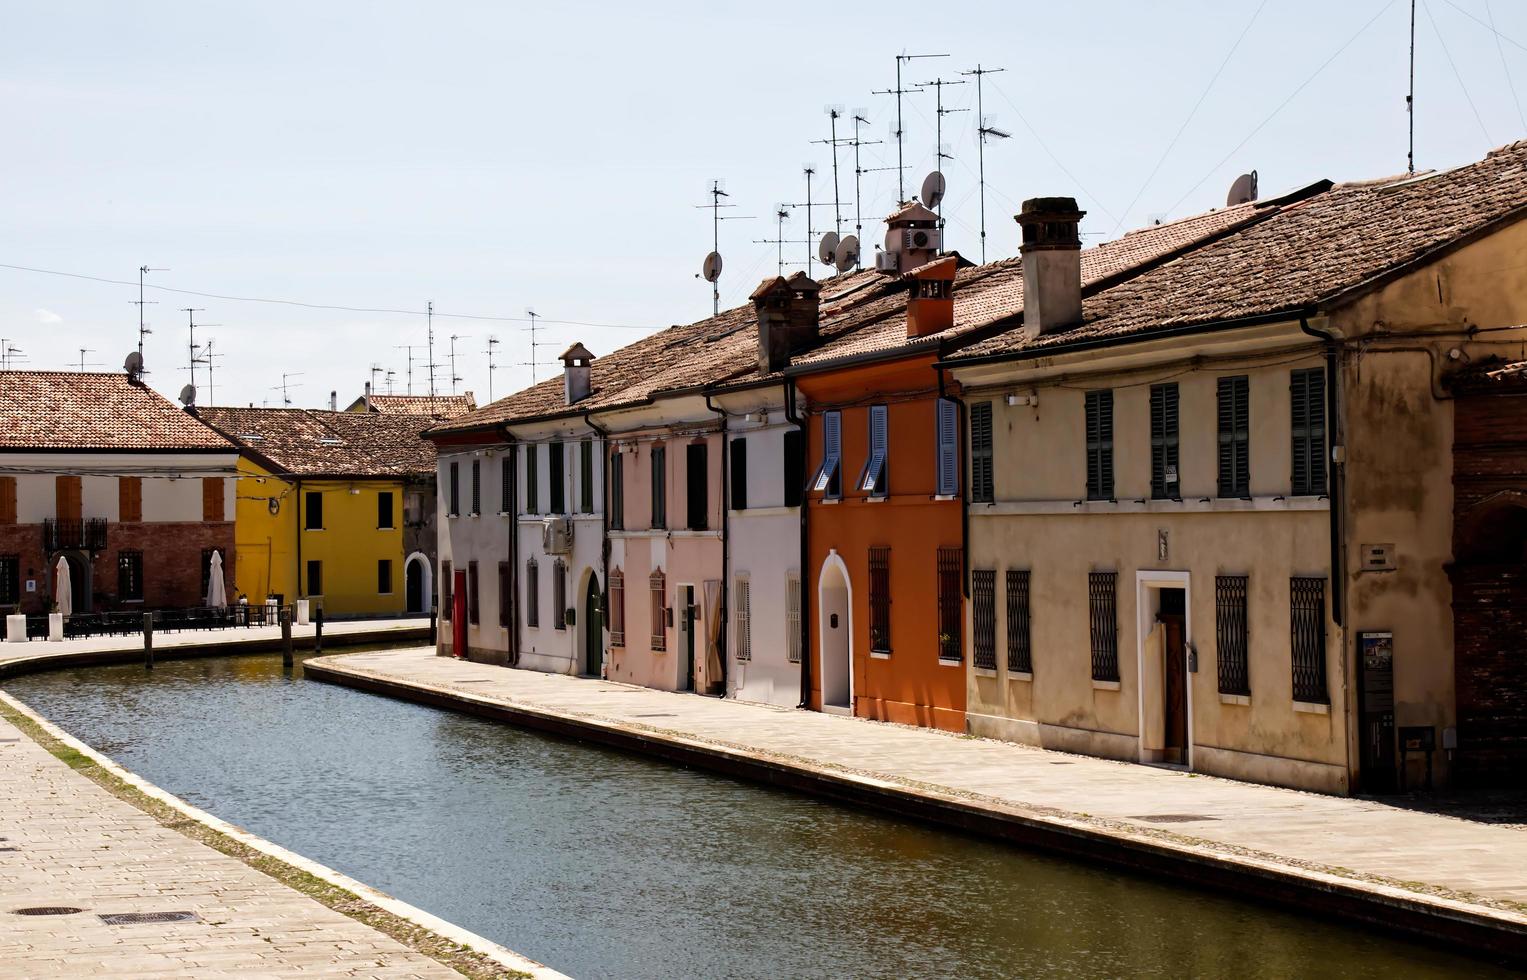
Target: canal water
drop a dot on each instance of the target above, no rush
(602, 864)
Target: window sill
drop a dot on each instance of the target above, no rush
(389, 527)
(1105, 685)
(945, 662)
(877, 500)
(984, 671)
(879, 656)
(1020, 675)
(830, 500)
(946, 496)
(1312, 708)
(1243, 699)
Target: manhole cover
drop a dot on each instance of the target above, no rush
(47, 910)
(1172, 817)
(136, 918)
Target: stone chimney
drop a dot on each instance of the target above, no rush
(577, 373)
(788, 316)
(368, 396)
(1052, 264)
(333, 401)
(930, 303)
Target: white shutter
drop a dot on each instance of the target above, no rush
(948, 448)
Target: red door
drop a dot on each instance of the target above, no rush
(459, 615)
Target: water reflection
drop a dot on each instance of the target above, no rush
(607, 865)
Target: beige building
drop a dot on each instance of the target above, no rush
(1211, 522)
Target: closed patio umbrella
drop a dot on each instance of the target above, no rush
(217, 594)
(63, 590)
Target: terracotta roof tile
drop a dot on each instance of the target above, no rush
(85, 410)
(434, 406)
(306, 442)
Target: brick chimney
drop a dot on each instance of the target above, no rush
(788, 316)
(577, 373)
(1052, 264)
(930, 303)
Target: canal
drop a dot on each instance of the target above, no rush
(602, 864)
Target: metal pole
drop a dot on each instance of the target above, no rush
(286, 635)
(901, 190)
(1410, 98)
(148, 641)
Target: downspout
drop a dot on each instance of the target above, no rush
(960, 485)
(604, 540)
(726, 544)
(800, 424)
(297, 576)
(514, 548)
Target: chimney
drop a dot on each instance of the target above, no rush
(1052, 264)
(912, 239)
(930, 305)
(368, 396)
(333, 401)
(577, 373)
(788, 315)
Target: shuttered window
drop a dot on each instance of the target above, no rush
(212, 499)
(982, 490)
(532, 594)
(474, 606)
(793, 619)
(1100, 444)
(880, 600)
(447, 591)
(556, 474)
(476, 487)
(873, 479)
(452, 487)
(69, 503)
(657, 587)
(1103, 596)
(8, 500)
(950, 615)
(1307, 639)
(617, 608)
(1020, 657)
(506, 484)
(744, 622)
(1164, 482)
(559, 594)
(532, 479)
(617, 504)
(697, 485)
(983, 615)
(1231, 633)
(1307, 409)
(659, 487)
(586, 476)
(505, 590)
(129, 500)
(828, 480)
(1234, 437)
(948, 449)
(794, 467)
(739, 473)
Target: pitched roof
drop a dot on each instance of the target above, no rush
(432, 406)
(307, 442)
(87, 410)
(1317, 253)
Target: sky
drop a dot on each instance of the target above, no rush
(491, 158)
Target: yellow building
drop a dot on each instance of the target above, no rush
(332, 506)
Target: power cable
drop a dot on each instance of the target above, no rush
(1450, 63)
(1044, 146)
(1489, 27)
(1510, 82)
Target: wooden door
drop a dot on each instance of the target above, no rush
(593, 631)
(685, 616)
(1175, 690)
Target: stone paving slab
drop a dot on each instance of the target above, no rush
(1451, 863)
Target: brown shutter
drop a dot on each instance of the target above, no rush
(7, 500)
(212, 498)
(129, 499)
(69, 505)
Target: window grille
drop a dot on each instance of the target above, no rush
(1308, 638)
(948, 437)
(532, 594)
(880, 600)
(474, 609)
(983, 615)
(617, 491)
(476, 486)
(1103, 592)
(1100, 444)
(1020, 657)
(129, 575)
(659, 487)
(793, 619)
(658, 588)
(873, 479)
(1164, 480)
(744, 624)
(1307, 399)
(1234, 437)
(982, 490)
(559, 594)
(950, 628)
(617, 608)
(1231, 633)
(828, 480)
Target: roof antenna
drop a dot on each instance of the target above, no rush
(83, 352)
(430, 365)
(454, 376)
(1410, 97)
(940, 152)
(9, 355)
(898, 91)
(286, 385)
(984, 132)
(834, 113)
(207, 358)
(192, 347)
(531, 314)
(409, 369)
(492, 343)
(861, 118)
(390, 377)
(711, 270)
(376, 369)
(143, 329)
(781, 213)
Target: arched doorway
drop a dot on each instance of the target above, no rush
(835, 628)
(418, 596)
(593, 629)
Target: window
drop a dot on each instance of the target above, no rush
(1307, 629)
(793, 619)
(739, 474)
(1230, 632)
(1020, 656)
(447, 591)
(384, 576)
(1164, 482)
(617, 505)
(206, 568)
(506, 484)
(983, 614)
(67, 500)
(505, 592)
(659, 487)
(794, 467)
(315, 578)
(532, 594)
(744, 622)
(873, 479)
(696, 496)
(1234, 437)
(476, 487)
(474, 608)
(557, 474)
(949, 611)
(314, 502)
(617, 608)
(586, 476)
(10, 579)
(880, 600)
(129, 499)
(384, 519)
(1307, 395)
(453, 487)
(212, 499)
(413, 508)
(828, 480)
(130, 576)
(1103, 593)
(559, 595)
(948, 447)
(532, 479)
(982, 490)
(1100, 444)
(8, 499)
(657, 586)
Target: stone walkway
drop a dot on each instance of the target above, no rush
(1390, 851)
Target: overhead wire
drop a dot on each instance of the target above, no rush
(1456, 74)
(1046, 147)
(1510, 82)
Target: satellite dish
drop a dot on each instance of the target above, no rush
(1243, 191)
(848, 252)
(828, 248)
(188, 396)
(933, 189)
(134, 364)
(712, 268)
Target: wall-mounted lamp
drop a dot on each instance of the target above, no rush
(1014, 401)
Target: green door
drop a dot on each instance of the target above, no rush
(593, 630)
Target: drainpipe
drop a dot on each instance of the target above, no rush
(1334, 490)
(726, 544)
(514, 548)
(297, 577)
(806, 607)
(604, 512)
(964, 495)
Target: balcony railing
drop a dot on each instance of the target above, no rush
(68, 535)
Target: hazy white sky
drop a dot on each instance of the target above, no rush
(491, 157)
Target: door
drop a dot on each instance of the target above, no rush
(79, 583)
(1174, 685)
(413, 585)
(459, 614)
(836, 643)
(593, 630)
(685, 620)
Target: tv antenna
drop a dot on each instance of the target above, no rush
(532, 315)
(408, 349)
(286, 385)
(900, 131)
(834, 113)
(430, 365)
(207, 358)
(861, 118)
(939, 150)
(984, 132)
(390, 377)
(781, 214)
(454, 376)
(192, 347)
(811, 235)
(9, 354)
(143, 328)
(83, 351)
(492, 343)
(711, 270)
(376, 369)
(1410, 96)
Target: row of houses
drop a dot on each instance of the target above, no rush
(1244, 493)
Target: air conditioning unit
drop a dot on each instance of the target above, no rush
(920, 239)
(557, 536)
(886, 262)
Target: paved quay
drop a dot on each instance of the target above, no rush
(1435, 875)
